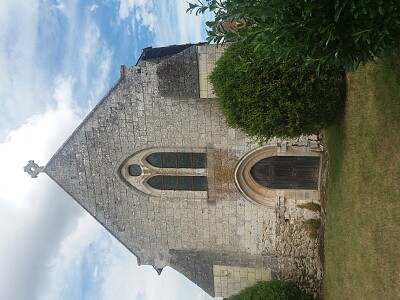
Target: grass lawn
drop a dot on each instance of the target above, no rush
(362, 233)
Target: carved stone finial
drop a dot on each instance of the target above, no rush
(33, 169)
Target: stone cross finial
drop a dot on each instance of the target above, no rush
(33, 169)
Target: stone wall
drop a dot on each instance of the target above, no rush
(134, 116)
(201, 265)
(298, 245)
(229, 280)
(178, 76)
(194, 233)
(208, 55)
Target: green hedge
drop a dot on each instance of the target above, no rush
(267, 99)
(271, 290)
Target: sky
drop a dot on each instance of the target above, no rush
(58, 58)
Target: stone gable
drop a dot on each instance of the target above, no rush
(218, 239)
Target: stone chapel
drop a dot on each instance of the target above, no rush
(156, 165)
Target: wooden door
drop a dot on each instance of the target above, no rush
(287, 172)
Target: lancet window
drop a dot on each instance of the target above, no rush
(178, 183)
(188, 160)
(174, 171)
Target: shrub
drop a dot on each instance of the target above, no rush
(271, 290)
(310, 206)
(267, 99)
(312, 227)
(343, 33)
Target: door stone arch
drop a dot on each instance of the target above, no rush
(264, 172)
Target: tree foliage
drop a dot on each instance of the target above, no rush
(267, 99)
(344, 33)
(271, 290)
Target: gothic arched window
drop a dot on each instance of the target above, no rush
(154, 170)
(178, 183)
(178, 160)
(189, 160)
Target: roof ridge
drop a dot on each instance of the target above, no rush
(122, 76)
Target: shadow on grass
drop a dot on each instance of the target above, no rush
(334, 137)
(363, 208)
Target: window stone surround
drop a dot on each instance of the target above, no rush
(148, 171)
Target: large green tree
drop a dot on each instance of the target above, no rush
(342, 33)
(267, 99)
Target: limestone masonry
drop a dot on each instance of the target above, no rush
(157, 166)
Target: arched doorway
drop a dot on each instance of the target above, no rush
(287, 172)
(264, 174)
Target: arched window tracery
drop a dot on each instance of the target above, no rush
(154, 170)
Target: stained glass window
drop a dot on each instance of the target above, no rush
(178, 183)
(188, 160)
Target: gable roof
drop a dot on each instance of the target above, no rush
(87, 165)
(150, 53)
(73, 168)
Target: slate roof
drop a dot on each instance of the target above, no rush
(151, 53)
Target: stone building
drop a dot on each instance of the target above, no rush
(156, 165)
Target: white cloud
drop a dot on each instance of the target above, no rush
(126, 6)
(39, 213)
(60, 6)
(124, 279)
(142, 12)
(93, 7)
(90, 59)
(30, 238)
(101, 77)
(90, 42)
(29, 60)
(146, 17)
(175, 26)
(65, 269)
(168, 20)
(38, 138)
(19, 93)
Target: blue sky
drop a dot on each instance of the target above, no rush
(57, 59)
